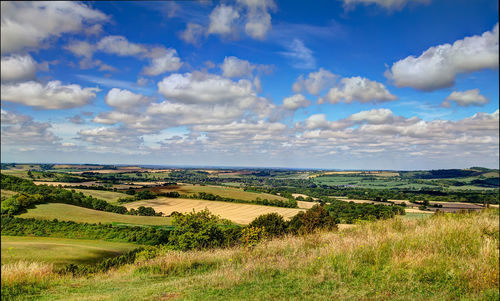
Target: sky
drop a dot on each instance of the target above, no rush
(338, 84)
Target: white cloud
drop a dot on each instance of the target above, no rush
(21, 130)
(161, 59)
(465, 98)
(165, 62)
(437, 67)
(29, 24)
(52, 95)
(296, 101)
(301, 57)
(222, 20)
(192, 34)
(124, 99)
(94, 30)
(359, 89)
(315, 81)
(18, 68)
(258, 19)
(374, 116)
(317, 121)
(387, 4)
(235, 67)
(81, 49)
(258, 25)
(119, 45)
(206, 88)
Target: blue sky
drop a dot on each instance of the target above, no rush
(348, 84)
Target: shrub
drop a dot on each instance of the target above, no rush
(250, 236)
(316, 218)
(196, 230)
(273, 223)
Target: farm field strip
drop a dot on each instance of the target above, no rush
(236, 212)
(65, 212)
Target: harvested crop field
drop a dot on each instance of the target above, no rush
(223, 191)
(236, 212)
(65, 212)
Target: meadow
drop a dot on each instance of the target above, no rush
(236, 212)
(445, 257)
(59, 251)
(65, 212)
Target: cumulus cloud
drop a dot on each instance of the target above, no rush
(164, 62)
(192, 34)
(438, 66)
(29, 24)
(387, 4)
(161, 59)
(125, 99)
(18, 68)
(22, 130)
(359, 89)
(222, 20)
(258, 19)
(235, 67)
(200, 87)
(81, 48)
(296, 101)
(367, 134)
(300, 56)
(52, 95)
(119, 45)
(110, 137)
(315, 81)
(86, 51)
(465, 98)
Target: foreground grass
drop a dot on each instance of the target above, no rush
(59, 251)
(440, 258)
(65, 212)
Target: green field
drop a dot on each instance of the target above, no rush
(59, 251)
(109, 196)
(223, 191)
(371, 181)
(66, 212)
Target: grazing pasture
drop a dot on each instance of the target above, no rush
(65, 212)
(236, 212)
(59, 251)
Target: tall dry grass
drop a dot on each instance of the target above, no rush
(448, 257)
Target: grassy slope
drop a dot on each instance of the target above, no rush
(224, 191)
(59, 251)
(443, 258)
(109, 196)
(66, 212)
